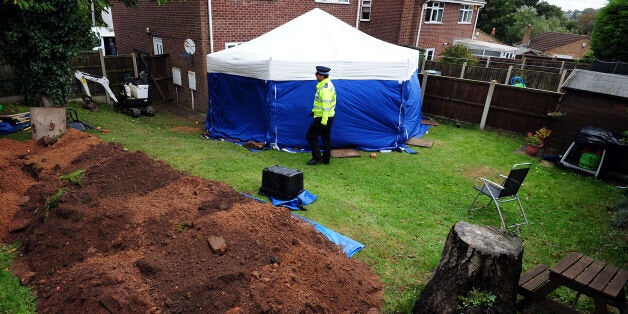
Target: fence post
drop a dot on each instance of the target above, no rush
(464, 65)
(508, 74)
(134, 64)
(423, 65)
(562, 66)
(101, 54)
(562, 79)
(523, 62)
(488, 60)
(487, 104)
(423, 85)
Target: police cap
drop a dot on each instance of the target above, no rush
(322, 70)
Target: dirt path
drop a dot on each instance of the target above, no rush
(137, 236)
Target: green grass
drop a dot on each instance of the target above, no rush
(14, 298)
(401, 206)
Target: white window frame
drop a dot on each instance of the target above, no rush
(365, 11)
(158, 46)
(466, 14)
(333, 1)
(429, 54)
(434, 12)
(232, 44)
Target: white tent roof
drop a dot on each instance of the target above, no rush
(292, 50)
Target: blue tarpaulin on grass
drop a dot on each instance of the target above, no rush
(349, 246)
(297, 203)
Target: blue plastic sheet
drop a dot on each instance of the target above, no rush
(349, 246)
(297, 203)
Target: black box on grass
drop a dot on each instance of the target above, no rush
(281, 182)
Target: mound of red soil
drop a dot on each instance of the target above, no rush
(135, 235)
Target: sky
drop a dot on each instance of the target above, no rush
(567, 5)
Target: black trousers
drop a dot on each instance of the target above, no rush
(324, 131)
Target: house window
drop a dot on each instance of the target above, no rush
(429, 54)
(366, 11)
(333, 1)
(466, 13)
(434, 12)
(158, 46)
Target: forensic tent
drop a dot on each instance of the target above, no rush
(263, 89)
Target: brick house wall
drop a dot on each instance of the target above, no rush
(397, 21)
(576, 49)
(232, 21)
(441, 35)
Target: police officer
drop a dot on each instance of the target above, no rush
(323, 113)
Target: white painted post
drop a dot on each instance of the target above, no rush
(523, 62)
(562, 66)
(488, 60)
(464, 66)
(487, 104)
(562, 80)
(508, 75)
(101, 53)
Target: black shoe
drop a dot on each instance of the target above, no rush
(313, 161)
(325, 161)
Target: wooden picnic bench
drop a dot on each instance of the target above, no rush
(603, 282)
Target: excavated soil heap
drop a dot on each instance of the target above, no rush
(135, 235)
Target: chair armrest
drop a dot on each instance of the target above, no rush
(487, 181)
(503, 176)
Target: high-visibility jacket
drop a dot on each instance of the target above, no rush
(324, 101)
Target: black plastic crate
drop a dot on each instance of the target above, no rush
(281, 182)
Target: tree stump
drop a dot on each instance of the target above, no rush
(475, 257)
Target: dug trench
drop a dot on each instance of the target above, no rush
(132, 234)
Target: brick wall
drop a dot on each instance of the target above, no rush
(442, 35)
(232, 21)
(574, 49)
(385, 23)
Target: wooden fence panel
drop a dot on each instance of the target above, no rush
(512, 108)
(455, 98)
(485, 74)
(538, 79)
(521, 109)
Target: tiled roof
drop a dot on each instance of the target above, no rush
(550, 40)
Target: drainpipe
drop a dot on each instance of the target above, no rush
(357, 16)
(211, 26)
(418, 35)
(475, 25)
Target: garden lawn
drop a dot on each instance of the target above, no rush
(400, 205)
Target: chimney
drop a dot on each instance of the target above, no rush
(526, 36)
(493, 32)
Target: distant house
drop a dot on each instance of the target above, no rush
(189, 30)
(553, 44)
(429, 25)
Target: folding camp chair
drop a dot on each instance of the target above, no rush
(505, 192)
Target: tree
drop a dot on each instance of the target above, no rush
(608, 40)
(496, 13)
(585, 23)
(458, 54)
(39, 38)
(525, 16)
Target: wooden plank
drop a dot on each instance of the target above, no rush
(565, 263)
(616, 285)
(590, 272)
(537, 281)
(577, 267)
(429, 122)
(415, 141)
(344, 152)
(532, 273)
(603, 277)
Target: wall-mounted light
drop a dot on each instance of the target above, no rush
(445, 44)
(148, 31)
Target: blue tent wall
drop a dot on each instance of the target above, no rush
(370, 114)
(238, 107)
